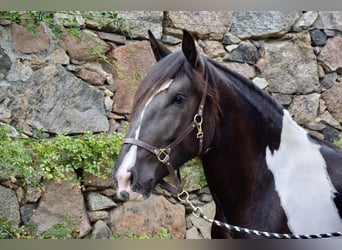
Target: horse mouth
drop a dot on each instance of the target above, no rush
(126, 191)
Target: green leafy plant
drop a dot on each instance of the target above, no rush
(66, 229)
(130, 234)
(338, 142)
(56, 158)
(31, 20)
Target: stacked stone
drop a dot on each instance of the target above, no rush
(55, 85)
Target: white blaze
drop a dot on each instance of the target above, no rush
(302, 182)
(123, 175)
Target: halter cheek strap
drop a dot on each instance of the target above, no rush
(163, 154)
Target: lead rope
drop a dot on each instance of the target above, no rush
(183, 197)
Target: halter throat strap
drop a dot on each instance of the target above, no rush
(163, 154)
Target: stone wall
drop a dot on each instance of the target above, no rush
(51, 85)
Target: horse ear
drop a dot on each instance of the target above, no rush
(191, 53)
(159, 50)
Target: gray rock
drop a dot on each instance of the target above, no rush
(170, 40)
(330, 33)
(26, 212)
(5, 62)
(98, 215)
(246, 52)
(262, 23)
(305, 21)
(283, 99)
(304, 108)
(328, 119)
(57, 202)
(318, 37)
(56, 101)
(203, 226)
(32, 194)
(290, 65)
(96, 201)
(330, 20)
(244, 69)
(331, 134)
(9, 207)
(111, 37)
(201, 23)
(101, 231)
(329, 80)
(205, 198)
(20, 192)
(214, 49)
(139, 22)
(69, 19)
(193, 234)
(260, 82)
(229, 39)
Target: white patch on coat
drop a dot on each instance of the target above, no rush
(302, 182)
(123, 175)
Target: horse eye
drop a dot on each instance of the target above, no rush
(178, 99)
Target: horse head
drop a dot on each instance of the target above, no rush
(167, 103)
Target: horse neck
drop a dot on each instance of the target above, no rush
(235, 165)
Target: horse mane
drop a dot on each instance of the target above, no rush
(258, 99)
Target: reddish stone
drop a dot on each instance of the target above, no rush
(331, 56)
(78, 48)
(150, 217)
(133, 62)
(332, 98)
(27, 43)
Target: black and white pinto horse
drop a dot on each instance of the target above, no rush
(264, 171)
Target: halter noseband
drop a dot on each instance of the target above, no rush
(163, 154)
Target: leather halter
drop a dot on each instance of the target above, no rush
(163, 154)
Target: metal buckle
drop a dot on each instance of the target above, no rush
(198, 120)
(163, 156)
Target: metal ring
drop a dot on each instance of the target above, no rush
(183, 193)
(198, 119)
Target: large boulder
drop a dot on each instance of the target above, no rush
(27, 43)
(331, 20)
(304, 108)
(139, 22)
(201, 23)
(5, 63)
(133, 62)
(262, 23)
(150, 217)
(59, 201)
(54, 100)
(290, 65)
(83, 46)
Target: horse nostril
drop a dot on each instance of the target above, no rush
(124, 195)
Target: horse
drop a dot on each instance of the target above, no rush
(263, 170)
